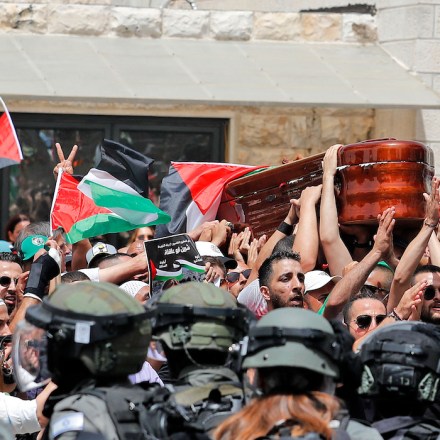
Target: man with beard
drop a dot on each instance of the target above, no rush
(431, 297)
(282, 280)
(10, 271)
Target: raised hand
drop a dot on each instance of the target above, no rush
(66, 165)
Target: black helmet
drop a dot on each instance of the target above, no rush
(83, 330)
(402, 361)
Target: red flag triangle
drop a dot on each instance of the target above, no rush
(10, 151)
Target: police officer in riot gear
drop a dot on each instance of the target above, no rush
(299, 358)
(87, 338)
(401, 380)
(197, 324)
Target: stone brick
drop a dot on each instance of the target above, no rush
(128, 22)
(185, 24)
(436, 82)
(437, 22)
(276, 26)
(268, 131)
(321, 27)
(406, 23)
(427, 56)
(359, 28)
(385, 4)
(345, 129)
(24, 17)
(436, 149)
(231, 25)
(397, 123)
(428, 125)
(78, 20)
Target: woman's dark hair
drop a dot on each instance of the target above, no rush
(13, 222)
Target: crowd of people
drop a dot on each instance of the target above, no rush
(318, 331)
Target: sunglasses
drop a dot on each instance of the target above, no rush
(375, 289)
(364, 321)
(429, 293)
(6, 281)
(233, 277)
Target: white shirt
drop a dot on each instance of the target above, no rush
(19, 414)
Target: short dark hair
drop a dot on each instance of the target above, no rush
(12, 258)
(285, 244)
(216, 262)
(266, 269)
(76, 275)
(112, 257)
(363, 294)
(427, 268)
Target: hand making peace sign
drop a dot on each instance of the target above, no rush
(65, 165)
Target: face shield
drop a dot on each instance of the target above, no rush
(29, 356)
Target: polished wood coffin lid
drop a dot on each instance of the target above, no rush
(372, 175)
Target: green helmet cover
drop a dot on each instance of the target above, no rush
(117, 329)
(293, 337)
(198, 316)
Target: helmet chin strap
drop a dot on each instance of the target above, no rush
(328, 386)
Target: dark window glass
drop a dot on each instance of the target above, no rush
(28, 188)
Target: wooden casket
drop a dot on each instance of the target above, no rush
(372, 175)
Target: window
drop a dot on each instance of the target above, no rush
(28, 188)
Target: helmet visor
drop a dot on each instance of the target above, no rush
(29, 355)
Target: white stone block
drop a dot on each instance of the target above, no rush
(78, 19)
(185, 23)
(427, 56)
(436, 82)
(23, 17)
(127, 22)
(406, 23)
(435, 146)
(428, 125)
(359, 28)
(386, 4)
(235, 25)
(437, 22)
(276, 26)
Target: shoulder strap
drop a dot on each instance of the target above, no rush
(340, 429)
(393, 424)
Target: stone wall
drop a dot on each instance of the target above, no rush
(410, 31)
(256, 134)
(73, 18)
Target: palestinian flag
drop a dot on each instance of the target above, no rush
(10, 150)
(100, 204)
(191, 193)
(124, 163)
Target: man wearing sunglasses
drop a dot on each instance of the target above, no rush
(379, 281)
(10, 271)
(363, 313)
(430, 311)
(236, 278)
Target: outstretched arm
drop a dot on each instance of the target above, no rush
(355, 278)
(307, 236)
(335, 251)
(415, 250)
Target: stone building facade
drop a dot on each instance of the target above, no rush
(258, 133)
